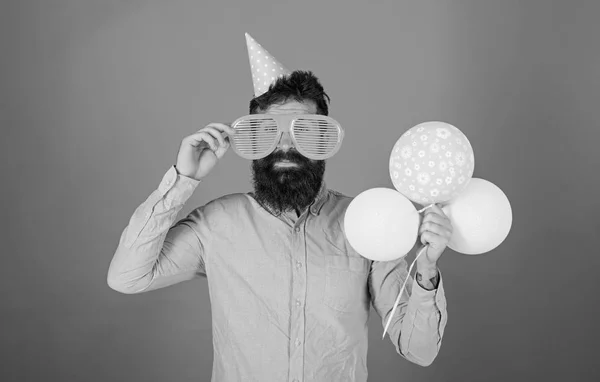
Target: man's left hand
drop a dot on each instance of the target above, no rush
(435, 231)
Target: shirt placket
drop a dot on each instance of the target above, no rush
(296, 366)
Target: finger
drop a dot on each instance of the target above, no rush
(436, 229)
(434, 209)
(222, 149)
(197, 139)
(216, 133)
(435, 218)
(437, 208)
(223, 127)
(428, 238)
(433, 239)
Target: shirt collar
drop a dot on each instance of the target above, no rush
(320, 200)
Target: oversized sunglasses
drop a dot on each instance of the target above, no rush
(314, 136)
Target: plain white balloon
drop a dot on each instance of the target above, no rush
(481, 218)
(381, 224)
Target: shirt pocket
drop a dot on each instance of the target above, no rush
(346, 283)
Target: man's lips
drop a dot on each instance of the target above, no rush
(285, 163)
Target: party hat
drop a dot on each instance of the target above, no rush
(265, 68)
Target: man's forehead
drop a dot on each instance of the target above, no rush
(293, 107)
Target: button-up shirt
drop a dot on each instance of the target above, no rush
(290, 297)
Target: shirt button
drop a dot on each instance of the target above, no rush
(297, 342)
(298, 264)
(298, 302)
(297, 229)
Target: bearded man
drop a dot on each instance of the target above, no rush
(290, 297)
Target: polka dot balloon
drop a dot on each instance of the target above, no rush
(431, 163)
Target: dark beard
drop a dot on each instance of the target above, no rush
(287, 188)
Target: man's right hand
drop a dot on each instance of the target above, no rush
(200, 152)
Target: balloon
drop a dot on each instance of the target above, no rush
(431, 163)
(381, 224)
(481, 218)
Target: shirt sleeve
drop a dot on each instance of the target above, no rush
(152, 252)
(417, 328)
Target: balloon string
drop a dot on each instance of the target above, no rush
(402, 290)
(424, 209)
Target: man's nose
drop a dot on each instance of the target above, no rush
(285, 142)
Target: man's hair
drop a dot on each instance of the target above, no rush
(299, 86)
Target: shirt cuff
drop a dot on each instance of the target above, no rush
(176, 187)
(423, 298)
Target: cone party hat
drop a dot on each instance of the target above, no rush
(265, 68)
